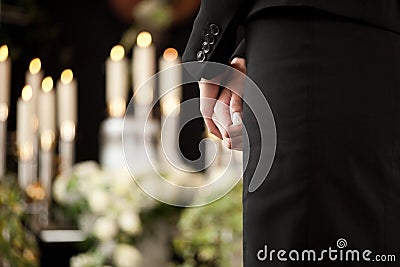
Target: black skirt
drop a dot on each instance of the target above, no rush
(333, 85)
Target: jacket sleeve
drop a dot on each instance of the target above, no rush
(214, 33)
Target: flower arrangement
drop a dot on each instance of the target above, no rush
(107, 207)
(211, 235)
(118, 218)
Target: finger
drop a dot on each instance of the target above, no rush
(239, 64)
(212, 128)
(222, 115)
(208, 97)
(235, 143)
(236, 108)
(234, 131)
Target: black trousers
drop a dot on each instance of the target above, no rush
(333, 85)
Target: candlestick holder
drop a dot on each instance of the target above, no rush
(47, 139)
(112, 147)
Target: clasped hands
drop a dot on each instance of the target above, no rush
(222, 108)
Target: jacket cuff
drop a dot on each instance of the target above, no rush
(240, 50)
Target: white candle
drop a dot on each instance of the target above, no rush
(5, 77)
(67, 98)
(47, 107)
(24, 117)
(116, 81)
(170, 80)
(34, 77)
(170, 90)
(144, 54)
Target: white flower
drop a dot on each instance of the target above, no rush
(61, 193)
(85, 168)
(122, 182)
(99, 201)
(129, 222)
(85, 259)
(105, 228)
(127, 256)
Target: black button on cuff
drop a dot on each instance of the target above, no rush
(205, 47)
(209, 39)
(214, 29)
(201, 56)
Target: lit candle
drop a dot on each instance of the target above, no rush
(170, 80)
(5, 76)
(144, 54)
(170, 90)
(46, 107)
(24, 117)
(47, 128)
(67, 98)
(25, 133)
(34, 77)
(116, 81)
(67, 118)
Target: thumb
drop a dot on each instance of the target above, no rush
(236, 106)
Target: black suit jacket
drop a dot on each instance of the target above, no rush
(214, 33)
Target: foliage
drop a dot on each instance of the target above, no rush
(17, 244)
(211, 235)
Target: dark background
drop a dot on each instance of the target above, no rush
(79, 35)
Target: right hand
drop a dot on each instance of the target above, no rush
(223, 115)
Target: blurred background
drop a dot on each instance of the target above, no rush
(79, 35)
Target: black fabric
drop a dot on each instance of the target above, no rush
(334, 89)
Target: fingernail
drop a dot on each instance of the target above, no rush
(236, 118)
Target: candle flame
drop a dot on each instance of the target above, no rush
(67, 76)
(144, 39)
(47, 84)
(3, 53)
(170, 54)
(117, 53)
(35, 66)
(26, 93)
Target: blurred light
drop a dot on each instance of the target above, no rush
(26, 151)
(47, 139)
(67, 131)
(67, 76)
(47, 84)
(26, 93)
(3, 112)
(117, 107)
(35, 66)
(144, 39)
(170, 54)
(3, 53)
(35, 191)
(117, 53)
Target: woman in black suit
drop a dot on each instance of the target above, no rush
(330, 72)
